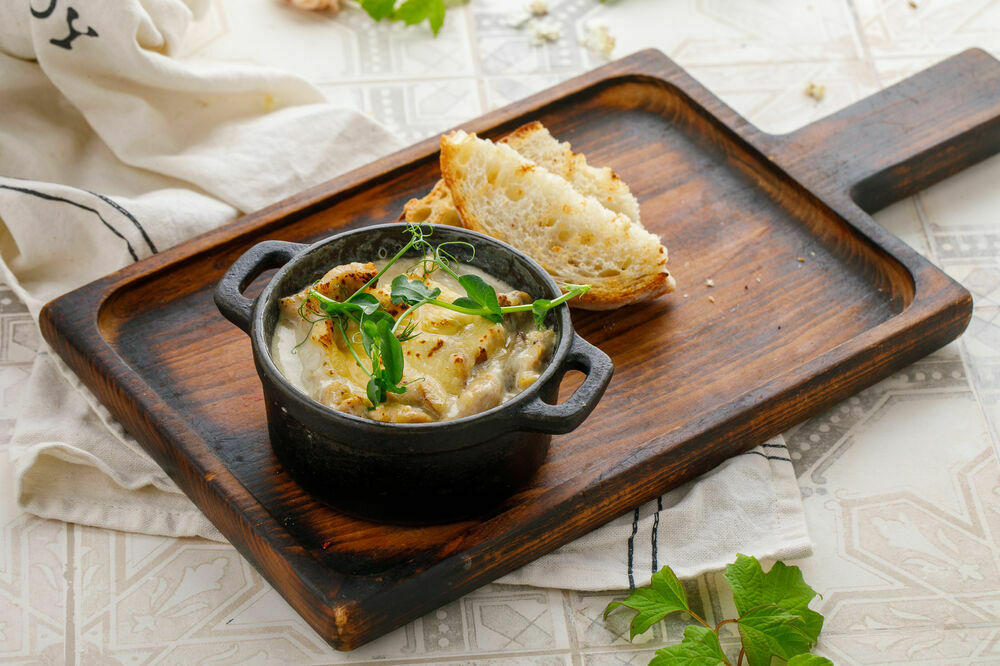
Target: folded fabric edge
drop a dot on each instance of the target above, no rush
(118, 508)
(791, 538)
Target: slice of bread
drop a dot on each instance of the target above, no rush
(534, 142)
(578, 241)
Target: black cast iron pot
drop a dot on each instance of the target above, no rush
(418, 473)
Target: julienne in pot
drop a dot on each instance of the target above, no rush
(414, 342)
(409, 472)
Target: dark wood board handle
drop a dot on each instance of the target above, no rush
(905, 138)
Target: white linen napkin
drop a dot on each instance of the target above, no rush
(111, 149)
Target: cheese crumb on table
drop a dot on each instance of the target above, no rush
(598, 39)
(315, 5)
(538, 8)
(709, 282)
(544, 31)
(711, 299)
(816, 91)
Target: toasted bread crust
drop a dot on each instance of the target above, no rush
(534, 142)
(498, 192)
(436, 207)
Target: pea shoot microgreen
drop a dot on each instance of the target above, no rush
(381, 334)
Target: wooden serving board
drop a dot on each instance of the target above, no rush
(812, 302)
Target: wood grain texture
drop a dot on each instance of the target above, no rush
(696, 382)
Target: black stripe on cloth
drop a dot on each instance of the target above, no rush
(50, 197)
(656, 527)
(121, 209)
(758, 453)
(117, 206)
(631, 548)
(775, 446)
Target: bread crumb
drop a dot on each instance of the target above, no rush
(912, 4)
(816, 91)
(598, 39)
(538, 8)
(685, 295)
(758, 279)
(801, 259)
(709, 282)
(544, 31)
(711, 299)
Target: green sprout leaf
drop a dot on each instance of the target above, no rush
(369, 331)
(480, 294)
(412, 12)
(375, 391)
(540, 309)
(782, 586)
(700, 647)
(665, 595)
(392, 354)
(770, 630)
(367, 303)
(411, 292)
(809, 660)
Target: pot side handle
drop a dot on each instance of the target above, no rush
(540, 416)
(229, 297)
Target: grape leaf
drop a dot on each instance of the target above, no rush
(782, 586)
(378, 9)
(771, 630)
(412, 12)
(809, 660)
(700, 647)
(664, 595)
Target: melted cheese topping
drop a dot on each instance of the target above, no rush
(457, 365)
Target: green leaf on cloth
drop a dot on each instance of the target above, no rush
(782, 586)
(768, 631)
(665, 595)
(700, 647)
(809, 660)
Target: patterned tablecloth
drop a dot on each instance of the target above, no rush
(901, 482)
